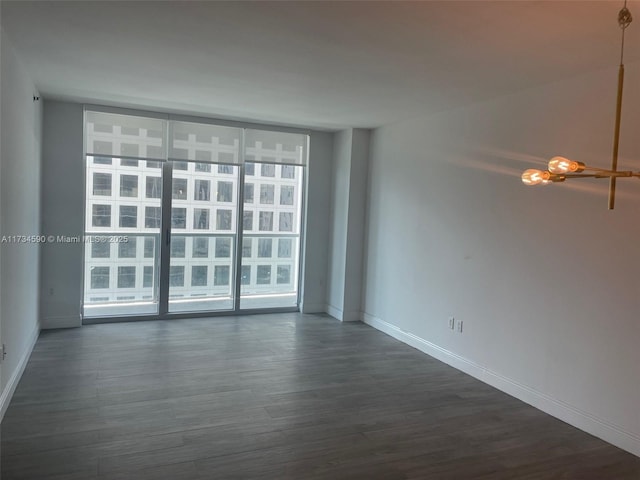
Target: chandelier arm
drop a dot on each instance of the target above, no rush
(584, 175)
(603, 174)
(596, 169)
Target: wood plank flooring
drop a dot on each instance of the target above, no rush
(283, 396)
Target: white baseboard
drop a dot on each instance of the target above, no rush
(335, 312)
(573, 416)
(11, 385)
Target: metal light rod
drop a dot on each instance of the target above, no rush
(616, 139)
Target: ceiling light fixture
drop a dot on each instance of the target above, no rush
(561, 168)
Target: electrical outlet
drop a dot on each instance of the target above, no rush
(452, 323)
(459, 325)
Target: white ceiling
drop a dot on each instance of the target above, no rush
(318, 64)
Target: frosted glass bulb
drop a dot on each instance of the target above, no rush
(535, 177)
(564, 165)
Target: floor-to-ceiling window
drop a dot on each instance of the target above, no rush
(189, 216)
(271, 220)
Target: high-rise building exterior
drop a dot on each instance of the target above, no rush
(123, 223)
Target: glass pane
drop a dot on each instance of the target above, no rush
(122, 232)
(270, 258)
(203, 238)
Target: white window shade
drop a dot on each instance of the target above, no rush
(115, 135)
(275, 147)
(204, 142)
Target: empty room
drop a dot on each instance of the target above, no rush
(316, 240)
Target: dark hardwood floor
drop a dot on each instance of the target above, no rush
(275, 397)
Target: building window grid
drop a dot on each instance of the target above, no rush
(279, 182)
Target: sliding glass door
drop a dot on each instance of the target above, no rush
(123, 195)
(166, 232)
(271, 235)
(203, 237)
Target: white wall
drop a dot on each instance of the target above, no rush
(356, 226)
(336, 267)
(348, 207)
(546, 279)
(62, 214)
(316, 239)
(21, 119)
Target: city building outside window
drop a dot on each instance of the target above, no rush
(284, 248)
(247, 220)
(268, 170)
(102, 184)
(126, 277)
(200, 247)
(264, 247)
(149, 247)
(223, 247)
(287, 171)
(201, 218)
(248, 193)
(202, 190)
(127, 249)
(152, 217)
(128, 216)
(199, 276)
(147, 277)
(245, 276)
(284, 274)
(180, 165)
(176, 276)
(247, 244)
(179, 189)
(100, 249)
(266, 194)
(286, 195)
(178, 217)
(221, 275)
(101, 216)
(263, 274)
(101, 161)
(128, 185)
(100, 277)
(225, 192)
(223, 220)
(154, 187)
(265, 221)
(178, 246)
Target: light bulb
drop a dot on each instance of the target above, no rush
(535, 177)
(564, 165)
